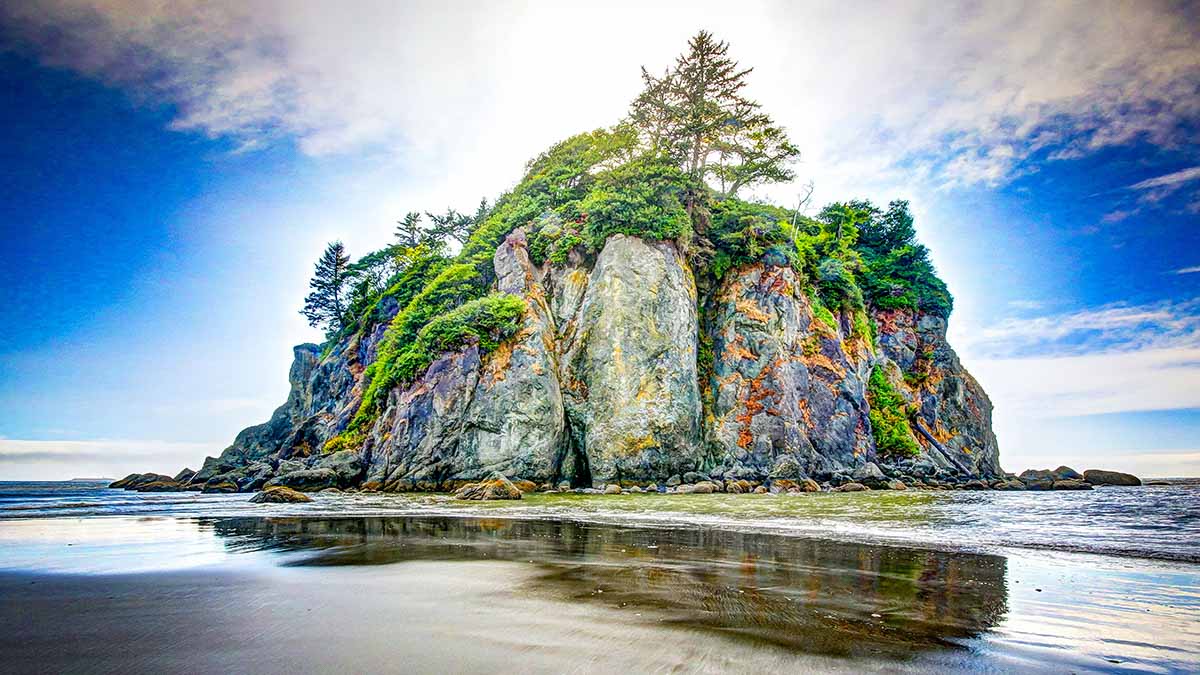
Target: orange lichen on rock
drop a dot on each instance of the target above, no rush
(750, 309)
(753, 403)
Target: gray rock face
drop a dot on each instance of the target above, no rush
(306, 480)
(415, 440)
(869, 474)
(600, 386)
(630, 388)
(784, 387)
(954, 419)
(515, 422)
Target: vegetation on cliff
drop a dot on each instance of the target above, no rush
(672, 171)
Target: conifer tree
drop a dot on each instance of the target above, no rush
(326, 304)
(697, 115)
(409, 233)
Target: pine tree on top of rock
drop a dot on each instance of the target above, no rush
(326, 304)
(697, 115)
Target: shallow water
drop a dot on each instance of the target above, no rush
(465, 593)
(1147, 522)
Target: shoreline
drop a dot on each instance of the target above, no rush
(914, 519)
(548, 596)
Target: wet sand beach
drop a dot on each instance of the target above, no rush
(465, 594)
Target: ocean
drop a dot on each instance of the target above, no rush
(99, 580)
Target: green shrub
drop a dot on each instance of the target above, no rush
(641, 198)
(453, 286)
(889, 418)
(487, 321)
(897, 271)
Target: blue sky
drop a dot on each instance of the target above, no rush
(171, 171)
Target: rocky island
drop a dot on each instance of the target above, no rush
(622, 317)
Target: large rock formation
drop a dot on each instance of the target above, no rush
(789, 398)
(954, 420)
(630, 384)
(603, 384)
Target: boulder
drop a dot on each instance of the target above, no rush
(761, 490)
(1011, 484)
(497, 486)
(346, 464)
(1102, 477)
(280, 495)
(870, 475)
(1066, 473)
(133, 480)
(612, 489)
(1071, 484)
(704, 488)
(896, 485)
(289, 466)
(160, 486)
(809, 485)
(975, 484)
(525, 486)
(734, 488)
(781, 485)
(184, 476)
(307, 480)
(1037, 479)
(851, 487)
(216, 486)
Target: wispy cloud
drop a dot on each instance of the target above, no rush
(1171, 179)
(466, 85)
(1117, 358)
(1111, 328)
(1187, 270)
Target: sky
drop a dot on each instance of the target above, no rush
(170, 171)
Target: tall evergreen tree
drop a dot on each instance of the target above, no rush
(451, 225)
(409, 232)
(696, 114)
(326, 304)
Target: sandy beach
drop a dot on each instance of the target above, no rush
(287, 595)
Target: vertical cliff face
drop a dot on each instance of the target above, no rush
(630, 384)
(788, 398)
(602, 384)
(953, 423)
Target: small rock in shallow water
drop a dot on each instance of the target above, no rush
(280, 495)
(761, 490)
(1102, 477)
(896, 485)
(851, 487)
(612, 489)
(497, 486)
(704, 488)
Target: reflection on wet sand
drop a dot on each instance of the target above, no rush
(811, 596)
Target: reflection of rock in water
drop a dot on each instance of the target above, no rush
(809, 595)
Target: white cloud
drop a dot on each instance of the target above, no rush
(1171, 179)
(1111, 328)
(879, 96)
(1092, 384)
(1187, 270)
